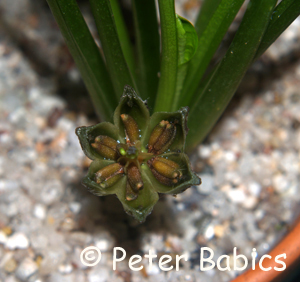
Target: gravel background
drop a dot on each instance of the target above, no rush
(249, 166)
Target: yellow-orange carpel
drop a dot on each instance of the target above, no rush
(134, 178)
(165, 171)
(131, 128)
(165, 139)
(106, 147)
(156, 133)
(109, 175)
(166, 167)
(130, 194)
(164, 180)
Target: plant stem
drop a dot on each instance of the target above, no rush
(168, 72)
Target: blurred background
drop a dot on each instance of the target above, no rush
(249, 164)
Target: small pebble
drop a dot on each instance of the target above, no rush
(236, 196)
(80, 238)
(27, 268)
(17, 241)
(3, 237)
(8, 185)
(254, 188)
(75, 207)
(219, 230)
(10, 265)
(68, 224)
(39, 211)
(250, 202)
(281, 184)
(65, 268)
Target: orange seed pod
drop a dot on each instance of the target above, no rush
(166, 167)
(130, 194)
(164, 140)
(106, 147)
(156, 133)
(135, 178)
(109, 175)
(131, 128)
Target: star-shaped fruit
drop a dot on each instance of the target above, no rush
(138, 156)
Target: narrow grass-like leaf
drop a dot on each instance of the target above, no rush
(123, 36)
(168, 69)
(86, 55)
(284, 14)
(209, 41)
(220, 88)
(147, 48)
(207, 10)
(115, 60)
(187, 41)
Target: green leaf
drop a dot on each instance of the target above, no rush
(116, 63)
(209, 41)
(208, 106)
(284, 14)
(86, 55)
(169, 62)
(187, 40)
(131, 104)
(207, 10)
(123, 36)
(147, 48)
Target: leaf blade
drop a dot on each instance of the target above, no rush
(115, 60)
(221, 87)
(284, 14)
(86, 55)
(147, 48)
(187, 41)
(123, 35)
(207, 10)
(168, 70)
(209, 41)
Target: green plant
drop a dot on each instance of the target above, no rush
(138, 156)
(177, 76)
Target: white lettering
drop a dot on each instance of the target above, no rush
(209, 259)
(280, 262)
(227, 263)
(161, 263)
(115, 256)
(150, 257)
(131, 263)
(178, 258)
(260, 263)
(236, 257)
